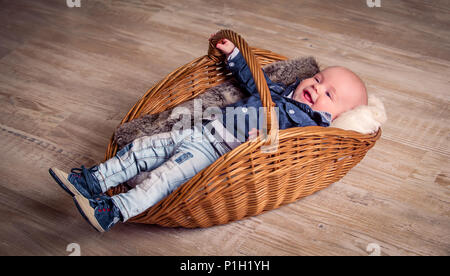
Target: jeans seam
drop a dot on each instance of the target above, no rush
(157, 146)
(104, 181)
(125, 168)
(169, 140)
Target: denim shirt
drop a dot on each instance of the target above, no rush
(248, 112)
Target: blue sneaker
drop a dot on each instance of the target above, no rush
(81, 181)
(100, 211)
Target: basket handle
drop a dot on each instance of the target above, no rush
(270, 135)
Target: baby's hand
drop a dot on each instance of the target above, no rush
(225, 46)
(252, 134)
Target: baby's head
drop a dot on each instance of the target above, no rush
(334, 90)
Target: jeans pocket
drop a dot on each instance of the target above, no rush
(185, 156)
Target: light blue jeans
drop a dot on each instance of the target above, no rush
(172, 159)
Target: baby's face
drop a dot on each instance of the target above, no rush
(333, 90)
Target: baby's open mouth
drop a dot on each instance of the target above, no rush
(307, 96)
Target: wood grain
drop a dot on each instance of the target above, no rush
(68, 76)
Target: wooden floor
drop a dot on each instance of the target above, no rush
(68, 76)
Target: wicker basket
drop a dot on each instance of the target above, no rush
(246, 181)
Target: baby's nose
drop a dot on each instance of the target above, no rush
(318, 88)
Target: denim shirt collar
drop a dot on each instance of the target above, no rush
(291, 87)
(325, 117)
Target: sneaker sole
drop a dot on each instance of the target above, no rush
(61, 178)
(87, 212)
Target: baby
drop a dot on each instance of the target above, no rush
(172, 158)
(333, 90)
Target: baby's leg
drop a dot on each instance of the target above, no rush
(192, 156)
(143, 154)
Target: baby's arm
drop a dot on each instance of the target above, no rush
(238, 67)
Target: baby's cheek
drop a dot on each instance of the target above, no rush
(319, 106)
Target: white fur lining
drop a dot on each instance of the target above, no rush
(364, 119)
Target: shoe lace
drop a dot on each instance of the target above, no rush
(88, 176)
(101, 203)
(104, 203)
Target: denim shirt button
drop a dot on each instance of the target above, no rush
(291, 111)
(231, 64)
(244, 109)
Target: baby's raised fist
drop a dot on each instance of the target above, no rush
(225, 46)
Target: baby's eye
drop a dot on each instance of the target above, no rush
(328, 94)
(317, 79)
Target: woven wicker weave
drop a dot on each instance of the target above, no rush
(246, 181)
